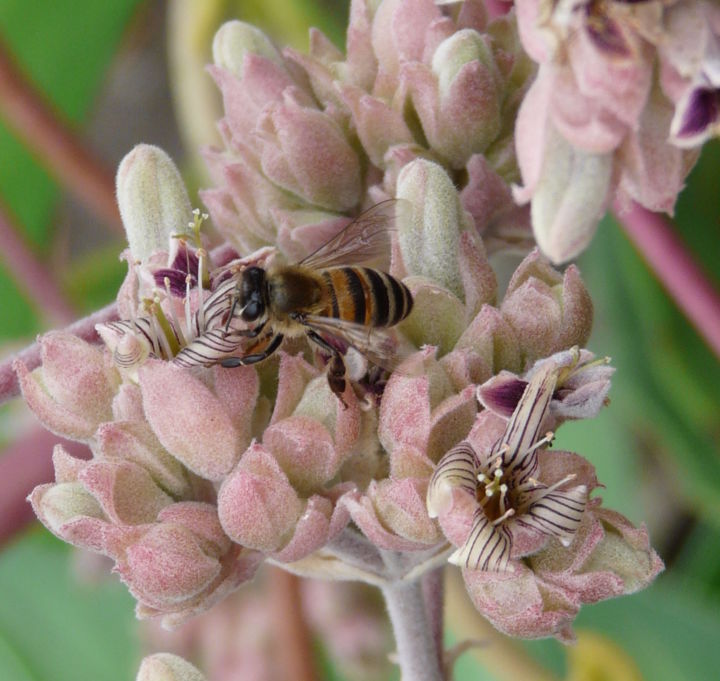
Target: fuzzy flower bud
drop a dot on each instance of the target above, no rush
(430, 230)
(458, 98)
(72, 392)
(153, 201)
(235, 39)
(547, 311)
(167, 667)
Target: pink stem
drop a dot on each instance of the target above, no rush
(291, 629)
(31, 274)
(675, 268)
(58, 148)
(498, 8)
(83, 328)
(23, 465)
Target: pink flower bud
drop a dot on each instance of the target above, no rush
(458, 101)
(194, 424)
(548, 312)
(258, 507)
(73, 390)
(305, 152)
(430, 231)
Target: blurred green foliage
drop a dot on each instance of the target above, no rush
(663, 415)
(52, 627)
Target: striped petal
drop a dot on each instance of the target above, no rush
(557, 513)
(209, 348)
(218, 304)
(457, 468)
(486, 548)
(519, 459)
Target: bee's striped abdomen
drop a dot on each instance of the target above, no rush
(366, 296)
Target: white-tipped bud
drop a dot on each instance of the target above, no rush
(459, 49)
(61, 503)
(570, 197)
(153, 201)
(429, 229)
(167, 667)
(235, 39)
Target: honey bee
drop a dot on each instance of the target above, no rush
(327, 297)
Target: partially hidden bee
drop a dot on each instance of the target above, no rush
(327, 297)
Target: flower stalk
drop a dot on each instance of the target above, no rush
(417, 652)
(31, 273)
(675, 268)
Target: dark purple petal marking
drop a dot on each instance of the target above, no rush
(515, 447)
(503, 395)
(186, 261)
(700, 112)
(209, 348)
(606, 34)
(176, 280)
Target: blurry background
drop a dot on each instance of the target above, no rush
(119, 72)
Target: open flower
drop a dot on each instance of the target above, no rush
(514, 509)
(601, 122)
(508, 485)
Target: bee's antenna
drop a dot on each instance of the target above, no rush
(232, 312)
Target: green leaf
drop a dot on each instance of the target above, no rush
(94, 279)
(665, 392)
(64, 47)
(53, 628)
(669, 632)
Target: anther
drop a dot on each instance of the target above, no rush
(510, 512)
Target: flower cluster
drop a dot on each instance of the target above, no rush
(310, 138)
(625, 93)
(200, 472)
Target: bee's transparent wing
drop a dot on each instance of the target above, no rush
(382, 346)
(366, 240)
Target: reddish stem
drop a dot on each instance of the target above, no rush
(675, 268)
(57, 147)
(291, 629)
(23, 465)
(83, 328)
(31, 274)
(498, 8)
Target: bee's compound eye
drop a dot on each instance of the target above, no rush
(252, 311)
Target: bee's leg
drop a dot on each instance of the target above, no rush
(250, 333)
(254, 358)
(335, 369)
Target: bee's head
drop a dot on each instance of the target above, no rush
(252, 294)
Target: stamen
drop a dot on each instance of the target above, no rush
(173, 316)
(503, 497)
(559, 483)
(509, 513)
(549, 437)
(201, 307)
